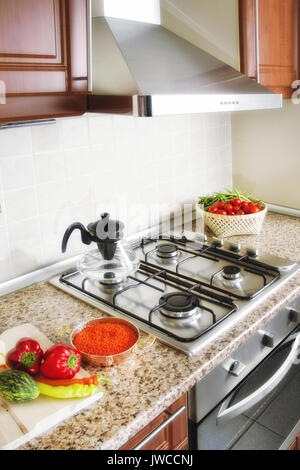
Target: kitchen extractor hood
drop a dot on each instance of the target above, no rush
(139, 67)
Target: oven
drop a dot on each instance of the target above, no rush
(252, 400)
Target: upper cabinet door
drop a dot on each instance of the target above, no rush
(269, 42)
(33, 46)
(43, 51)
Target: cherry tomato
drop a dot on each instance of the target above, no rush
(254, 210)
(240, 212)
(213, 209)
(230, 213)
(221, 212)
(237, 202)
(236, 208)
(220, 205)
(231, 202)
(244, 205)
(228, 207)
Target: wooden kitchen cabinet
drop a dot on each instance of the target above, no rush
(296, 444)
(275, 57)
(43, 58)
(173, 437)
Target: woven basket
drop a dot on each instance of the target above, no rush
(226, 225)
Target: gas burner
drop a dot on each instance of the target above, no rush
(179, 305)
(231, 273)
(167, 251)
(110, 279)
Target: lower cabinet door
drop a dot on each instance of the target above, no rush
(295, 444)
(168, 431)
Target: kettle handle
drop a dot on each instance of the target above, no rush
(86, 237)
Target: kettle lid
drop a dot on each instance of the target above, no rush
(106, 229)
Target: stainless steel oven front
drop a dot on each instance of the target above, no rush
(252, 400)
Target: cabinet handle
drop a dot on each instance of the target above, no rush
(162, 426)
(41, 122)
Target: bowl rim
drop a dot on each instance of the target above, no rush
(83, 325)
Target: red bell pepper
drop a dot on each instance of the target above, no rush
(92, 380)
(26, 356)
(61, 362)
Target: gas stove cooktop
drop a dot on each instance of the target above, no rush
(188, 288)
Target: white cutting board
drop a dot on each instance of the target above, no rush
(41, 414)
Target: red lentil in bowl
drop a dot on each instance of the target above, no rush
(105, 341)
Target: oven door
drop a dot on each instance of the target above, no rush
(263, 410)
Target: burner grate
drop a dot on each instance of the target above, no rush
(213, 253)
(168, 279)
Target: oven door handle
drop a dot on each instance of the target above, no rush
(226, 414)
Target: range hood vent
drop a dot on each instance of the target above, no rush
(143, 69)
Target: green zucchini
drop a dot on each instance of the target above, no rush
(17, 386)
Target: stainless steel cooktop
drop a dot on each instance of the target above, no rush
(188, 288)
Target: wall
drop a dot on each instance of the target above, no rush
(53, 175)
(212, 25)
(265, 146)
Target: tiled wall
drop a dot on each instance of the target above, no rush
(52, 175)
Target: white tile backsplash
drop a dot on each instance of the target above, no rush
(5, 261)
(77, 162)
(51, 196)
(17, 172)
(50, 167)
(73, 170)
(15, 142)
(100, 130)
(25, 246)
(75, 132)
(46, 138)
(20, 204)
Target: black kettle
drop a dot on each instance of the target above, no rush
(105, 232)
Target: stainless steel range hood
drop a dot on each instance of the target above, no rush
(141, 68)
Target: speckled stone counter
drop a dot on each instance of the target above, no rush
(156, 376)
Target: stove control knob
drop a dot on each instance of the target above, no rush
(267, 339)
(236, 368)
(234, 247)
(217, 242)
(252, 252)
(294, 316)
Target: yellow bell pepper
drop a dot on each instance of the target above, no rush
(71, 391)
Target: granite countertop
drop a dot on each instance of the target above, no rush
(155, 376)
